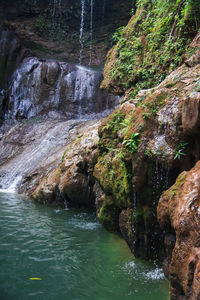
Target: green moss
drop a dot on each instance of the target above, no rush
(109, 133)
(176, 188)
(114, 176)
(155, 103)
(109, 216)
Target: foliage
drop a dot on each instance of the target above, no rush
(146, 116)
(118, 34)
(148, 152)
(132, 143)
(179, 151)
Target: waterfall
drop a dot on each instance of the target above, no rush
(103, 12)
(134, 214)
(57, 90)
(56, 7)
(81, 29)
(91, 30)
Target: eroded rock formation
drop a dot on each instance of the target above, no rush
(179, 217)
(144, 145)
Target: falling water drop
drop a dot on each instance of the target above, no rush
(91, 29)
(81, 29)
(134, 201)
(134, 214)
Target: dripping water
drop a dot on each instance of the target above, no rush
(91, 29)
(103, 12)
(160, 183)
(134, 201)
(134, 213)
(81, 40)
(57, 90)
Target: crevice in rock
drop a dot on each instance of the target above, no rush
(191, 270)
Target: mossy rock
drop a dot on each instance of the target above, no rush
(109, 217)
(114, 178)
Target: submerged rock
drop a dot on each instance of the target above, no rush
(179, 216)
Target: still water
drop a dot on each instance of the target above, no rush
(74, 257)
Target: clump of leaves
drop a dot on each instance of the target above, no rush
(118, 34)
(146, 116)
(179, 151)
(132, 143)
(148, 152)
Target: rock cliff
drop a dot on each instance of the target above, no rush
(179, 215)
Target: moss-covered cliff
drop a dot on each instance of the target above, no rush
(153, 136)
(151, 45)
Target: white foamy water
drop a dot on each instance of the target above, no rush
(13, 187)
(139, 270)
(156, 274)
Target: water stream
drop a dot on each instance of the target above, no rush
(91, 29)
(81, 30)
(72, 256)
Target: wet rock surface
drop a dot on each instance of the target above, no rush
(31, 150)
(56, 90)
(179, 216)
(72, 182)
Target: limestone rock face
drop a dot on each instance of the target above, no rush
(30, 150)
(72, 182)
(179, 216)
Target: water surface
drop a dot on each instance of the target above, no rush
(73, 255)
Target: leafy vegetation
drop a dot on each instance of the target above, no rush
(117, 34)
(179, 151)
(132, 143)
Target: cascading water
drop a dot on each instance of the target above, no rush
(46, 92)
(160, 183)
(81, 40)
(56, 89)
(91, 29)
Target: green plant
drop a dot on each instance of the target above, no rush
(148, 152)
(118, 34)
(146, 116)
(132, 143)
(179, 151)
